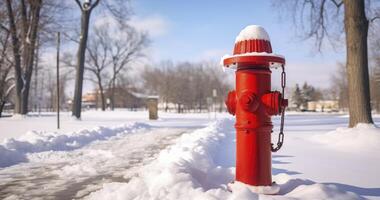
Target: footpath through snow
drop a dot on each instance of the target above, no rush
(201, 164)
(14, 151)
(70, 166)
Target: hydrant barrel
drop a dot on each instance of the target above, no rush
(253, 129)
(254, 103)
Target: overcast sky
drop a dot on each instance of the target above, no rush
(206, 29)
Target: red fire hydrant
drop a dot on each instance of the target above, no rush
(254, 103)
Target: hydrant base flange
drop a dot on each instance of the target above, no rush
(269, 190)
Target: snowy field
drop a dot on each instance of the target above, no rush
(122, 155)
(17, 126)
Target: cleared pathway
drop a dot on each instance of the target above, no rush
(74, 174)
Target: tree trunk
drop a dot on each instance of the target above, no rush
(16, 57)
(179, 108)
(77, 102)
(30, 55)
(166, 105)
(29, 30)
(356, 28)
(2, 104)
(112, 96)
(200, 104)
(102, 98)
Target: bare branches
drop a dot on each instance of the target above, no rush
(119, 10)
(110, 50)
(4, 28)
(187, 84)
(87, 6)
(94, 5)
(374, 18)
(337, 4)
(316, 19)
(375, 13)
(6, 77)
(79, 4)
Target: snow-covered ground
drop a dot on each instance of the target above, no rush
(17, 126)
(186, 156)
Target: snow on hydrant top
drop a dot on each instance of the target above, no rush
(252, 32)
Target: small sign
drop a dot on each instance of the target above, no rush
(214, 94)
(209, 100)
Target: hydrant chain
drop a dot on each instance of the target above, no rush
(281, 134)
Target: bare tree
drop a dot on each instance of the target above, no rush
(98, 59)
(6, 78)
(126, 45)
(218, 80)
(186, 84)
(160, 80)
(51, 89)
(375, 58)
(86, 8)
(375, 83)
(339, 86)
(119, 10)
(375, 88)
(23, 20)
(320, 15)
(297, 97)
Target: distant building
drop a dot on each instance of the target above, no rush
(89, 100)
(123, 99)
(323, 106)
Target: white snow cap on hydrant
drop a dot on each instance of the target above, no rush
(252, 32)
(253, 48)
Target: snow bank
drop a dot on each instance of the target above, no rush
(13, 151)
(252, 32)
(183, 171)
(200, 166)
(363, 137)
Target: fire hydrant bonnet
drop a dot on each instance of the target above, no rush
(252, 32)
(253, 48)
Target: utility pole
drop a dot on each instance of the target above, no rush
(58, 107)
(36, 98)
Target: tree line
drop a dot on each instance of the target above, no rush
(302, 95)
(188, 85)
(338, 89)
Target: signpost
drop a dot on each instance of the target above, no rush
(58, 107)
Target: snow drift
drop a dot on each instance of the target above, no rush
(199, 166)
(13, 151)
(363, 137)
